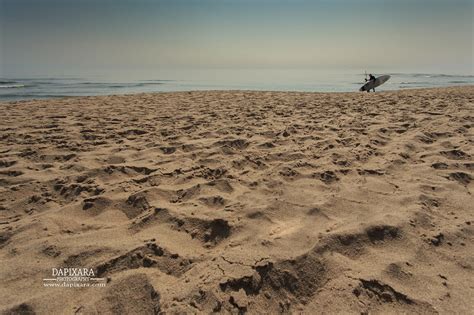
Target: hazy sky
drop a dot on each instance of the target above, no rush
(72, 36)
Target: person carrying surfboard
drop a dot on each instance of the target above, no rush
(372, 82)
(370, 79)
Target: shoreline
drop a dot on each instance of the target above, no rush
(236, 90)
(224, 201)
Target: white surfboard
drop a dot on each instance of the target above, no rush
(373, 84)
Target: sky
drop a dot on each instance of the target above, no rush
(89, 36)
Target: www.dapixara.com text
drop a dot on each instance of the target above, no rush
(73, 278)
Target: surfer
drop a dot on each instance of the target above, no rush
(371, 79)
(372, 82)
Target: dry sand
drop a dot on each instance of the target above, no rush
(234, 202)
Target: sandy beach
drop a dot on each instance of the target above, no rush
(240, 202)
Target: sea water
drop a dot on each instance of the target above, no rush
(39, 87)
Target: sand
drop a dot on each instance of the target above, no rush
(235, 202)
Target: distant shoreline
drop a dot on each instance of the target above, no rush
(67, 97)
(13, 89)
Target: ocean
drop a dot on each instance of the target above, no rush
(41, 87)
